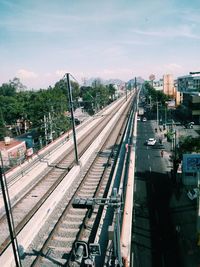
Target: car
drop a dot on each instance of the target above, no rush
(138, 118)
(189, 125)
(144, 119)
(151, 142)
(193, 193)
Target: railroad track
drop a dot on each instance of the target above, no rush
(31, 201)
(76, 224)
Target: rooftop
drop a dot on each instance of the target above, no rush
(13, 143)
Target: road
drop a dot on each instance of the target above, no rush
(154, 236)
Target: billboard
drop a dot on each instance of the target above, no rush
(191, 162)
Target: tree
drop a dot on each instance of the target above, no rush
(189, 144)
(88, 96)
(2, 125)
(155, 95)
(7, 90)
(112, 91)
(16, 83)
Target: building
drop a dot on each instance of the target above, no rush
(168, 85)
(177, 94)
(12, 152)
(158, 85)
(189, 87)
(189, 84)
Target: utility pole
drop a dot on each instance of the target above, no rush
(45, 129)
(135, 84)
(150, 101)
(157, 114)
(9, 216)
(165, 115)
(50, 126)
(174, 150)
(72, 116)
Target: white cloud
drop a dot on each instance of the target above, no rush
(26, 74)
(61, 73)
(121, 73)
(173, 67)
(182, 31)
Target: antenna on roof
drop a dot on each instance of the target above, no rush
(196, 72)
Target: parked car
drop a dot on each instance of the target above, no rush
(138, 118)
(193, 193)
(189, 125)
(144, 119)
(151, 142)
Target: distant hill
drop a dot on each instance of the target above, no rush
(90, 81)
(139, 80)
(115, 81)
(118, 82)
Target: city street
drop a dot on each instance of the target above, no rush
(155, 241)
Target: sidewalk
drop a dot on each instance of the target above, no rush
(166, 147)
(183, 210)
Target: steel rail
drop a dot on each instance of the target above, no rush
(44, 250)
(58, 165)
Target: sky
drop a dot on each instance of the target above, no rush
(41, 40)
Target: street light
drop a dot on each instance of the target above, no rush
(174, 144)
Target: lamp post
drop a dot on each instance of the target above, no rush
(72, 116)
(157, 114)
(174, 144)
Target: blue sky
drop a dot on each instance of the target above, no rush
(41, 40)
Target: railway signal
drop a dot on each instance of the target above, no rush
(94, 249)
(82, 203)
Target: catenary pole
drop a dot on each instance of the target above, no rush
(9, 216)
(72, 116)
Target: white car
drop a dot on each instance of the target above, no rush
(138, 118)
(151, 142)
(144, 119)
(193, 193)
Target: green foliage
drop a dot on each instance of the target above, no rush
(155, 95)
(7, 90)
(96, 96)
(2, 125)
(189, 144)
(89, 99)
(111, 91)
(169, 136)
(11, 108)
(17, 103)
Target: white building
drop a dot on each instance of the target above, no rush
(189, 83)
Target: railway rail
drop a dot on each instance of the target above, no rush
(31, 201)
(76, 224)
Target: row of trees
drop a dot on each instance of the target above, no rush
(156, 96)
(157, 102)
(187, 144)
(31, 106)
